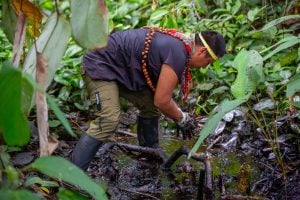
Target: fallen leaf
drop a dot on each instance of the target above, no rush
(41, 105)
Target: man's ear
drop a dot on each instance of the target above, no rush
(200, 49)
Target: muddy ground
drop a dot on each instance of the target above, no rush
(243, 164)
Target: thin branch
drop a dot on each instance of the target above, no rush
(201, 183)
(208, 174)
(126, 133)
(215, 141)
(140, 193)
(153, 152)
(270, 168)
(222, 185)
(240, 197)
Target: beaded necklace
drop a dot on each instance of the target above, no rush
(185, 80)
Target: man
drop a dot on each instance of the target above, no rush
(144, 66)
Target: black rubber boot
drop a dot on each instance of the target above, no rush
(147, 129)
(85, 150)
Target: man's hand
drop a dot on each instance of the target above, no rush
(186, 126)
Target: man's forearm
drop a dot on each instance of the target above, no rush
(170, 109)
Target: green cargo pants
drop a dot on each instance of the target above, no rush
(108, 94)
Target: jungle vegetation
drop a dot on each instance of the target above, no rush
(261, 65)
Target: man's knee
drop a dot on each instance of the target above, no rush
(102, 128)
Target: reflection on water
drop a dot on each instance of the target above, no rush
(236, 170)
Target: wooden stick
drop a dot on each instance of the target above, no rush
(153, 152)
(201, 183)
(140, 193)
(240, 197)
(126, 133)
(179, 152)
(215, 141)
(208, 174)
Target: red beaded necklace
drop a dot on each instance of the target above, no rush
(186, 78)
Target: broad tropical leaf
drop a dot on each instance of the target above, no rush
(239, 86)
(18, 194)
(9, 20)
(68, 172)
(89, 23)
(64, 194)
(158, 14)
(52, 44)
(278, 21)
(250, 74)
(13, 122)
(283, 40)
(37, 180)
(293, 85)
(293, 40)
(27, 92)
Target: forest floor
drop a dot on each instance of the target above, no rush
(244, 166)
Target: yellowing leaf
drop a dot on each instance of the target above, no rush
(45, 189)
(33, 29)
(32, 12)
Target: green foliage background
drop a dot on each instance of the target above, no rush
(241, 22)
(268, 28)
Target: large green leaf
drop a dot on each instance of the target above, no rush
(251, 15)
(68, 172)
(283, 40)
(18, 195)
(9, 20)
(279, 20)
(37, 180)
(235, 8)
(89, 23)
(293, 85)
(27, 92)
(158, 14)
(52, 44)
(238, 88)
(214, 119)
(13, 123)
(293, 40)
(64, 194)
(250, 74)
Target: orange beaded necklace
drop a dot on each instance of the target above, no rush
(176, 34)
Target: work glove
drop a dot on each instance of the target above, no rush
(186, 126)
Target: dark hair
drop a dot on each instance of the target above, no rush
(214, 39)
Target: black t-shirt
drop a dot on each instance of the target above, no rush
(120, 60)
